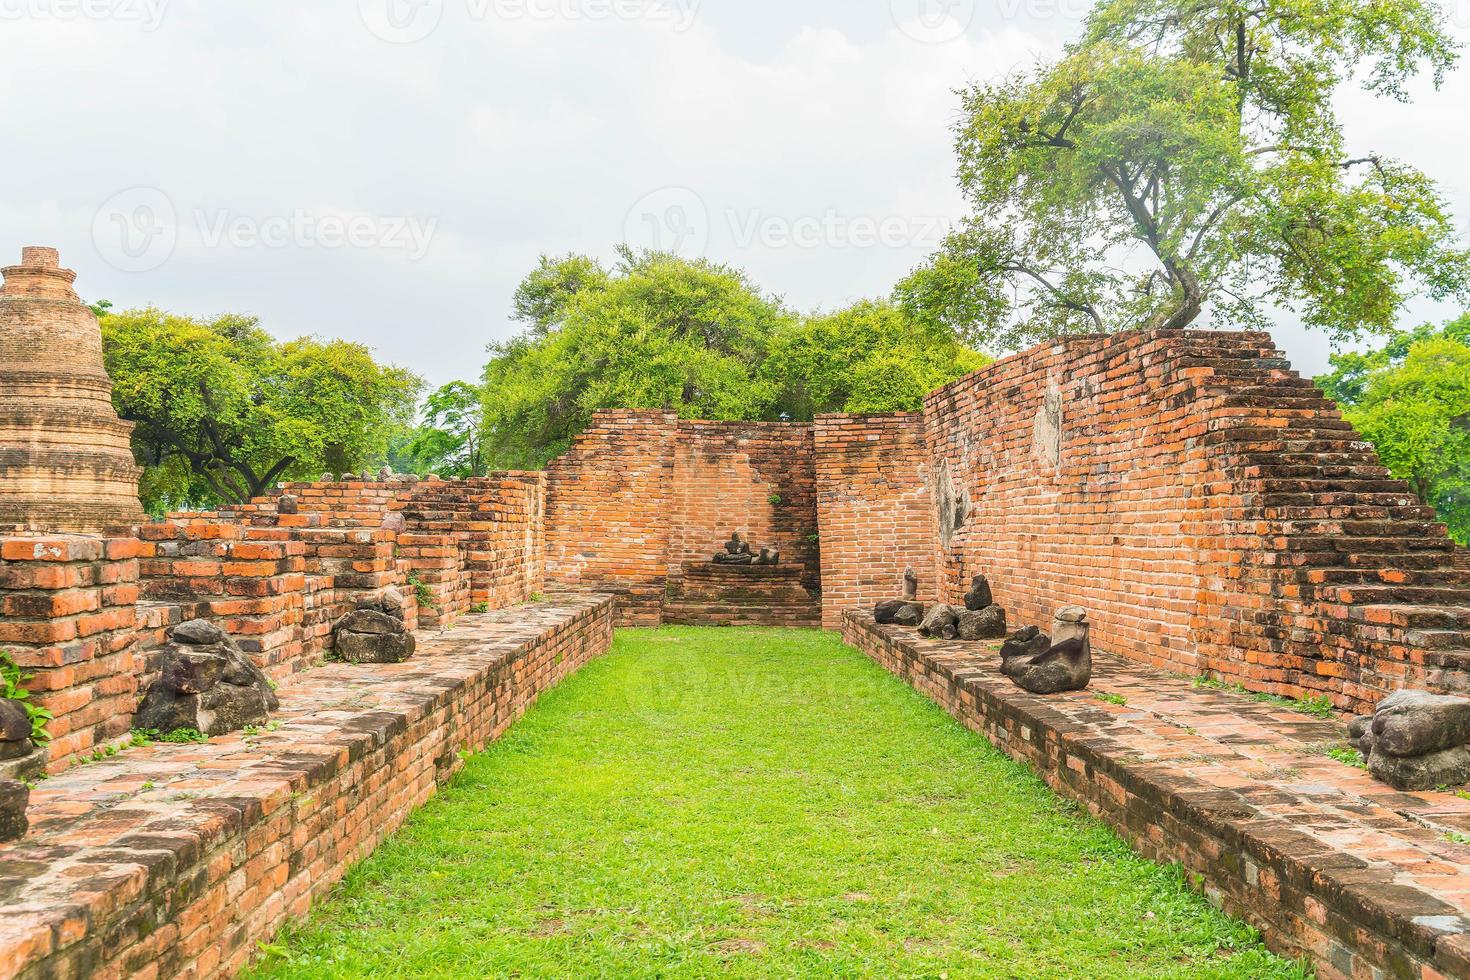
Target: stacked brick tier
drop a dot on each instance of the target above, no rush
(1328, 863)
(178, 860)
(1208, 506)
(742, 595)
(69, 615)
(66, 462)
(498, 526)
(874, 508)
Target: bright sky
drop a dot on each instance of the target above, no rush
(388, 170)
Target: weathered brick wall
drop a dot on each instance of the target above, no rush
(1208, 506)
(874, 509)
(755, 478)
(498, 524)
(607, 504)
(189, 884)
(69, 615)
(642, 497)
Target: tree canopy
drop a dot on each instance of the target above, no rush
(447, 441)
(1411, 399)
(224, 411)
(1184, 157)
(661, 332)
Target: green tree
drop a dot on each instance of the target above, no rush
(657, 331)
(1411, 399)
(448, 440)
(870, 357)
(1184, 156)
(223, 411)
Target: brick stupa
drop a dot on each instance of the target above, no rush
(66, 462)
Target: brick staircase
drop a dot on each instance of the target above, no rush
(1351, 587)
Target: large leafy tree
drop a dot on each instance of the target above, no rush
(869, 357)
(657, 331)
(447, 442)
(224, 411)
(1411, 399)
(1185, 156)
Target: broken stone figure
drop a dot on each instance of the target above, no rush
(15, 731)
(206, 684)
(981, 619)
(1066, 665)
(907, 611)
(941, 622)
(374, 632)
(737, 552)
(1416, 741)
(15, 796)
(288, 504)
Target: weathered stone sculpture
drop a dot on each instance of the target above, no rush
(1022, 647)
(1070, 622)
(940, 622)
(1067, 666)
(395, 522)
(979, 596)
(14, 798)
(907, 611)
(1416, 741)
(737, 552)
(288, 504)
(374, 633)
(66, 461)
(207, 684)
(910, 585)
(986, 623)
(15, 731)
(768, 557)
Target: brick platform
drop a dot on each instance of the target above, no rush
(176, 860)
(741, 595)
(1327, 862)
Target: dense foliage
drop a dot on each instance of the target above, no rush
(1183, 157)
(447, 441)
(224, 411)
(695, 337)
(1411, 399)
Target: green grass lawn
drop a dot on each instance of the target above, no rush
(705, 803)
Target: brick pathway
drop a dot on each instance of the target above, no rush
(121, 851)
(1232, 787)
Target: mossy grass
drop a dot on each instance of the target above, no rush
(753, 803)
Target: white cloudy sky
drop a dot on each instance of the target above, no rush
(387, 170)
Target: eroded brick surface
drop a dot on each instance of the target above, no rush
(177, 860)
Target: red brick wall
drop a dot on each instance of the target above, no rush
(607, 502)
(641, 496)
(69, 615)
(874, 508)
(758, 479)
(1209, 507)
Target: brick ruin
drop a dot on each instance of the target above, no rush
(1208, 507)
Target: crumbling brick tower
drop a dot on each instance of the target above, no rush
(65, 459)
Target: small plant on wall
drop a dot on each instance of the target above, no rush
(12, 687)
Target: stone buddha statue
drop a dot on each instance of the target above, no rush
(737, 552)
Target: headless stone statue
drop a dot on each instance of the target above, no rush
(737, 552)
(907, 611)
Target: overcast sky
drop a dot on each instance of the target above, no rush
(388, 170)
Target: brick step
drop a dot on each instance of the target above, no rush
(1414, 617)
(1434, 576)
(1312, 500)
(1376, 595)
(1354, 472)
(1339, 544)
